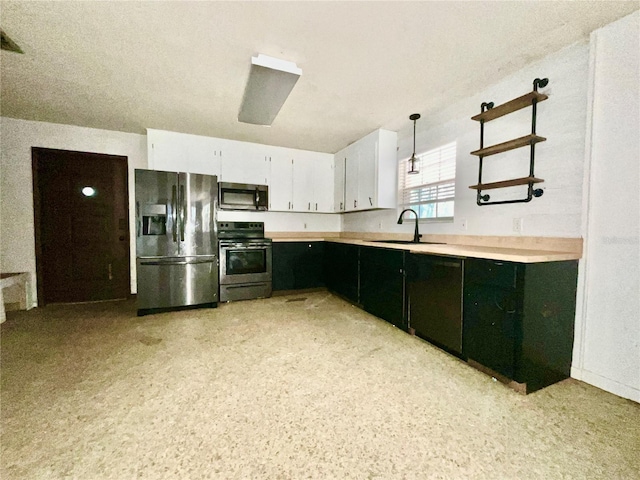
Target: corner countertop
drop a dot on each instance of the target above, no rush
(511, 249)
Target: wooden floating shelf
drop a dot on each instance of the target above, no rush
(510, 107)
(510, 145)
(506, 183)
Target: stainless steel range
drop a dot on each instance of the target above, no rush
(245, 261)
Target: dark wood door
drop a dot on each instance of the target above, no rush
(82, 226)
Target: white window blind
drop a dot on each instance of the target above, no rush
(430, 192)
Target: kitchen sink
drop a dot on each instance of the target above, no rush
(407, 242)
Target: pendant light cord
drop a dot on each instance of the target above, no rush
(414, 117)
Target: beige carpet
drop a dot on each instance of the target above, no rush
(295, 387)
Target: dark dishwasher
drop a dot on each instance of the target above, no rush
(435, 299)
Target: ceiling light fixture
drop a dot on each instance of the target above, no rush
(412, 160)
(270, 83)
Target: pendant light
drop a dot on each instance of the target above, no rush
(412, 160)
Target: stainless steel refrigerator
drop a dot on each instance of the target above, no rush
(176, 242)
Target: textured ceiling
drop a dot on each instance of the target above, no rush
(183, 66)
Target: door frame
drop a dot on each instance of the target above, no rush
(37, 220)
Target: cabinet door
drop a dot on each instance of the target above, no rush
(204, 156)
(341, 269)
(435, 299)
(323, 186)
(298, 265)
(281, 184)
(244, 162)
(168, 151)
(491, 311)
(309, 267)
(489, 327)
(283, 260)
(367, 174)
(351, 180)
(338, 179)
(303, 198)
(382, 284)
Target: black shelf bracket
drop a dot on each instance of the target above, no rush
(484, 199)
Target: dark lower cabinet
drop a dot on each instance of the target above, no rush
(435, 299)
(518, 319)
(382, 284)
(298, 265)
(341, 269)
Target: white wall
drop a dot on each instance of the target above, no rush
(17, 243)
(607, 352)
(559, 160)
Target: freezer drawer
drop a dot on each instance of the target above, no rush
(247, 291)
(177, 281)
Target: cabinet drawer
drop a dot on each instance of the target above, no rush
(491, 272)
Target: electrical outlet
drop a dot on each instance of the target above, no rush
(380, 225)
(463, 223)
(305, 226)
(517, 225)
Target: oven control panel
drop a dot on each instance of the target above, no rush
(236, 230)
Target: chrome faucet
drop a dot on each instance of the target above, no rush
(416, 235)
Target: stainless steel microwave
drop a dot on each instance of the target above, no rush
(243, 196)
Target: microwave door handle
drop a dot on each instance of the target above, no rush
(183, 212)
(174, 214)
(257, 198)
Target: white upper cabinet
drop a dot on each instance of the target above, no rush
(172, 151)
(313, 182)
(310, 181)
(323, 184)
(299, 180)
(371, 172)
(205, 154)
(244, 162)
(338, 183)
(180, 152)
(351, 156)
(280, 181)
(303, 197)
(231, 161)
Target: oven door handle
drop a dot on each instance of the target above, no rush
(245, 246)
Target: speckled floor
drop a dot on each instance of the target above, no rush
(294, 387)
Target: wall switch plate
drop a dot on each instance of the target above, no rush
(517, 225)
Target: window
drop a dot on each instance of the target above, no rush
(430, 192)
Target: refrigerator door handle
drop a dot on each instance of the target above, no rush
(138, 222)
(174, 215)
(183, 213)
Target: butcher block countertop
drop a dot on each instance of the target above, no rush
(511, 249)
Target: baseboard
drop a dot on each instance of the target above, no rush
(611, 386)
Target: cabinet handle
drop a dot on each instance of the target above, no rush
(355, 203)
(370, 201)
(309, 207)
(289, 208)
(316, 207)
